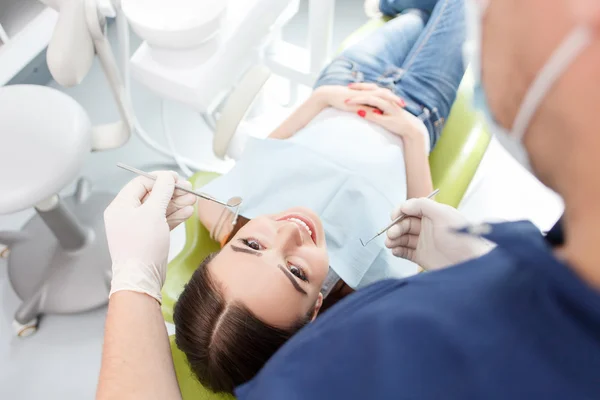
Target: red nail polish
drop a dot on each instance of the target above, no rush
(402, 104)
(362, 113)
(377, 111)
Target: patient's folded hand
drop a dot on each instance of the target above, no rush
(342, 97)
(385, 108)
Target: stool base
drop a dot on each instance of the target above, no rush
(50, 279)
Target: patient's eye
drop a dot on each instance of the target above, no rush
(253, 244)
(297, 272)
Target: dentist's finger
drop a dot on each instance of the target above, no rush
(179, 203)
(425, 208)
(183, 183)
(162, 191)
(179, 216)
(404, 252)
(408, 226)
(408, 241)
(136, 191)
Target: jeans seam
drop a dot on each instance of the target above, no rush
(436, 22)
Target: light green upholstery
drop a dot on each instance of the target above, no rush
(453, 164)
(460, 149)
(198, 245)
(190, 388)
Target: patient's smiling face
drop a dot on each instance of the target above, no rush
(275, 265)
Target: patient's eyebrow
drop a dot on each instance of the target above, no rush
(281, 267)
(247, 251)
(292, 279)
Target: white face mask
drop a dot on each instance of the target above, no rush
(573, 45)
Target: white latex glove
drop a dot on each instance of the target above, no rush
(428, 237)
(138, 224)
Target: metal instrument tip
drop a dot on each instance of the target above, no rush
(394, 222)
(364, 244)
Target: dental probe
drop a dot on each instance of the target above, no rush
(394, 222)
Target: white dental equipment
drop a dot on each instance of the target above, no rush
(222, 75)
(59, 262)
(394, 222)
(212, 55)
(79, 35)
(220, 72)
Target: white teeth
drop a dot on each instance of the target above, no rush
(300, 222)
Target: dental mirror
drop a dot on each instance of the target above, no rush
(234, 202)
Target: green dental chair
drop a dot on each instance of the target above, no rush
(453, 162)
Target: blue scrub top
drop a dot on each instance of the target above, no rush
(514, 324)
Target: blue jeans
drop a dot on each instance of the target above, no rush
(418, 55)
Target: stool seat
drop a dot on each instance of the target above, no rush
(45, 138)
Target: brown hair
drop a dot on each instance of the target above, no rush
(225, 343)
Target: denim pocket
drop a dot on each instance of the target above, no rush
(390, 78)
(341, 72)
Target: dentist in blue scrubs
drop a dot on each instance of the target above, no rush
(523, 320)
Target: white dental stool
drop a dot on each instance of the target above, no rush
(59, 261)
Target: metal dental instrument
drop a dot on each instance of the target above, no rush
(234, 202)
(394, 222)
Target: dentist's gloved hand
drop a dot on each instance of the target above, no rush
(428, 238)
(138, 224)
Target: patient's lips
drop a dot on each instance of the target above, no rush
(304, 223)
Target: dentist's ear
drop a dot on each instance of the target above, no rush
(318, 305)
(586, 12)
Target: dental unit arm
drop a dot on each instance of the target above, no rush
(219, 76)
(79, 35)
(215, 59)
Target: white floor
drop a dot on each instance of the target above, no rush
(62, 360)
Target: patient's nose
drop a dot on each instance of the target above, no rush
(289, 235)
